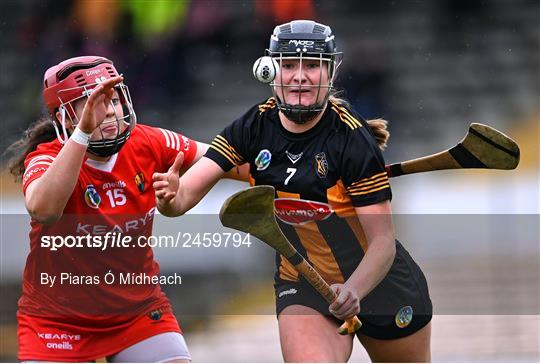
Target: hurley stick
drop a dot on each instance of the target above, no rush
(252, 211)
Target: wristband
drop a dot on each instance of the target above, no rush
(80, 137)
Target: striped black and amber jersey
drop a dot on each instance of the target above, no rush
(319, 175)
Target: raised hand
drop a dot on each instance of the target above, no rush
(97, 105)
(166, 187)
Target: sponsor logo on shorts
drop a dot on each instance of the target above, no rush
(49, 336)
(263, 159)
(404, 317)
(59, 341)
(287, 292)
(296, 212)
(65, 345)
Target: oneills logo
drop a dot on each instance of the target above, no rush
(296, 212)
(59, 341)
(322, 165)
(289, 291)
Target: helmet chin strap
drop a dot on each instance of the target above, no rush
(300, 114)
(106, 149)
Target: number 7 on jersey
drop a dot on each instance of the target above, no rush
(291, 172)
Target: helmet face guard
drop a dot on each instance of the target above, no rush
(304, 40)
(74, 79)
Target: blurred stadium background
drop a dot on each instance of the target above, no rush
(430, 67)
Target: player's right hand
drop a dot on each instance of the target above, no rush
(166, 187)
(347, 303)
(97, 105)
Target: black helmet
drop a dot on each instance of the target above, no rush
(304, 39)
(303, 36)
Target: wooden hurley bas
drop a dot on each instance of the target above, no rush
(482, 147)
(252, 211)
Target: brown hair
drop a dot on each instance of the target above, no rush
(379, 127)
(41, 131)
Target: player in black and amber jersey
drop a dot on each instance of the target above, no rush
(333, 204)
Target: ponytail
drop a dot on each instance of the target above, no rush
(41, 131)
(379, 129)
(378, 126)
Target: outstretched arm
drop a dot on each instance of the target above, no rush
(175, 195)
(239, 173)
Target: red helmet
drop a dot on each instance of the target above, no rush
(74, 79)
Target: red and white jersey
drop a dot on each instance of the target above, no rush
(116, 196)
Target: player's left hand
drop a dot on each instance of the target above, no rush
(166, 186)
(347, 303)
(98, 104)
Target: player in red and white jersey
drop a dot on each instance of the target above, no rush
(88, 171)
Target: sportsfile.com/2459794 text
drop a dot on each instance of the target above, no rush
(117, 240)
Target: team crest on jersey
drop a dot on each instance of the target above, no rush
(263, 159)
(139, 181)
(297, 212)
(91, 197)
(322, 165)
(404, 317)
